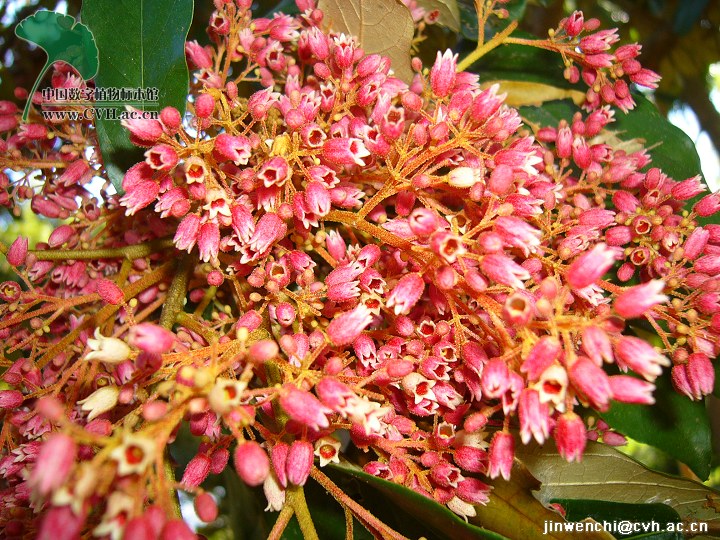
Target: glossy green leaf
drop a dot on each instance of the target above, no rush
(673, 417)
(671, 149)
(609, 475)
(433, 516)
(64, 40)
(142, 45)
(644, 515)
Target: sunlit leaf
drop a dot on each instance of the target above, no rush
(150, 54)
(609, 475)
(513, 511)
(520, 93)
(381, 26)
(64, 40)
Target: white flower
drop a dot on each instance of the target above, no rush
(134, 454)
(328, 450)
(107, 349)
(101, 400)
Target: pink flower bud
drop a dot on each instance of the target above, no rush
(299, 462)
(171, 119)
(263, 350)
(206, 507)
(139, 528)
(177, 529)
(708, 205)
(541, 356)
(348, 325)
(18, 251)
(251, 463)
(61, 235)
(501, 455)
(197, 471)
(570, 436)
(151, 338)
(109, 292)
(204, 105)
(54, 463)
(10, 399)
(345, 151)
(471, 459)
(687, 189)
(304, 408)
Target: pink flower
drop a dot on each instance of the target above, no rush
(442, 74)
(345, 151)
(591, 382)
(187, 232)
(147, 131)
(233, 148)
(534, 417)
(406, 293)
(501, 455)
(591, 266)
(631, 390)
(638, 300)
(208, 240)
(161, 157)
(638, 355)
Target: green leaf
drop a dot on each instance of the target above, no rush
(673, 418)
(142, 44)
(431, 514)
(671, 149)
(64, 40)
(613, 512)
(448, 10)
(609, 475)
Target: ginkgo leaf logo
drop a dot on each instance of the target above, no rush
(64, 40)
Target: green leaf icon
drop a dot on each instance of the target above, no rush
(63, 39)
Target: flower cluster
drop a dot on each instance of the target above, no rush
(340, 255)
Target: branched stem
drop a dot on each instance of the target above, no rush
(358, 511)
(282, 521)
(296, 499)
(498, 39)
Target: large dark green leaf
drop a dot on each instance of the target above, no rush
(674, 424)
(671, 149)
(63, 40)
(142, 45)
(444, 523)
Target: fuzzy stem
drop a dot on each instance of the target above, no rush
(136, 251)
(176, 293)
(361, 513)
(282, 521)
(296, 499)
(497, 40)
